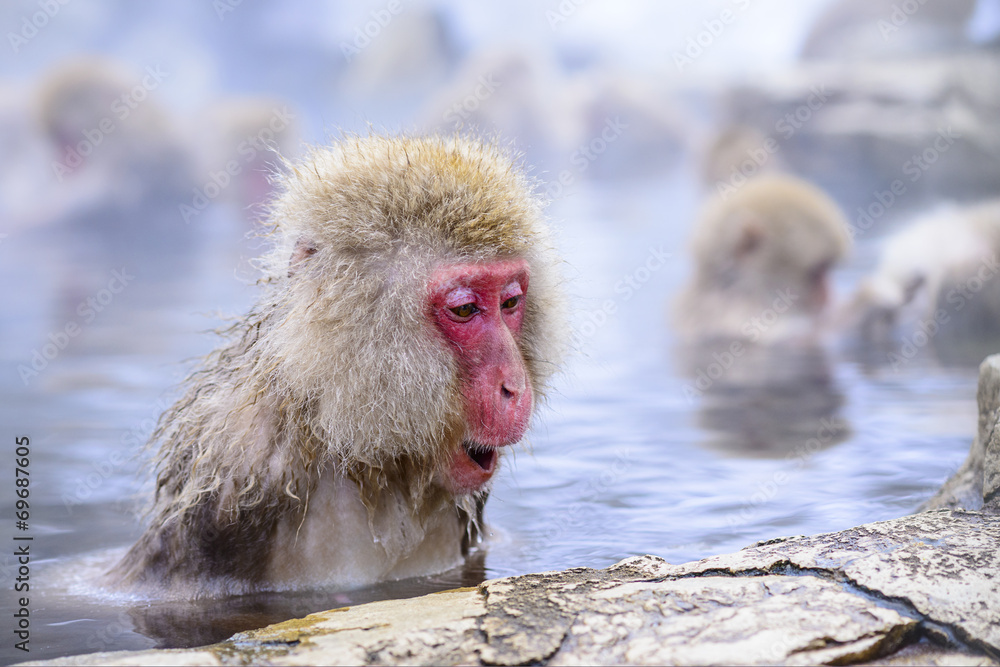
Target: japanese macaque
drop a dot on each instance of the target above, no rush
(348, 431)
(762, 255)
(121, 169)
(101, 120)
(941, 269)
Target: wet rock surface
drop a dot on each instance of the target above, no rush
(923, 589)
(976, 483)
(942, 567)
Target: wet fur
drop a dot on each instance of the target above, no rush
(337, 370)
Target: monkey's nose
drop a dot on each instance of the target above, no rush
(511, 389)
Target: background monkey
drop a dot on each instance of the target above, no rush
(749, 318)
(941, 267)
(410, 319)
(767, 246)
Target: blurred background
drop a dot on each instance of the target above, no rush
(136, 140)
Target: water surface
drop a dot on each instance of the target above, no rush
(624, 459)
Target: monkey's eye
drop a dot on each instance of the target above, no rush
(465, 310)
(818, 272)
(510, 303)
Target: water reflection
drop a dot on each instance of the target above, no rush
(764, 401)
(177, 624)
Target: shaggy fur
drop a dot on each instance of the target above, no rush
(775, 233)
(337, 371)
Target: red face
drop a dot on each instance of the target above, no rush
(479, 308)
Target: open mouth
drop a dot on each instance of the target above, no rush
(471, 467)
(484, 457)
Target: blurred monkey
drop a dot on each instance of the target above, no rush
(750, 318)
(762, 257)
(942, 268)
(100, 117)
(121, 167)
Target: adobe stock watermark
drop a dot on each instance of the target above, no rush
(562, 12)
(899, 17)
(697, 45)
(224, 7)
(119, 111)
(585, 155)
(914, 169)
(464, 108)
(752, 330)
(628, 286)
(363, 35)
(829, 429)
(246, 151)
(786, 126)
(87, 310)
(957, 298)
(34, 24)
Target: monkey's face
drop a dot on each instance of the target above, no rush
(479, 309)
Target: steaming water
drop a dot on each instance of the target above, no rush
(623, 461)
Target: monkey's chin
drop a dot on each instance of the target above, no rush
(472, 466)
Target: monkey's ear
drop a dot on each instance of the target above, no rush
(303, 249)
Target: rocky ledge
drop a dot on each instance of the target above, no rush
(976, 485)
(922, 589)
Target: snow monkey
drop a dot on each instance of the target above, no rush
(348, 431)
(939, 267)
(762, 255)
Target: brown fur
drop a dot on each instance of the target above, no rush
(337, 371)
(770, 235)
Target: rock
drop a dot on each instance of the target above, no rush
(979, 475)
(991, 474)
(917, 590)
(924, 653)
(720, 620)
(989, 414)
(856, 130)
(942, 566)
(864, 30)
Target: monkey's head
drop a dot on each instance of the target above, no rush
(83, 96)
(418, 308)
(775, 233)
